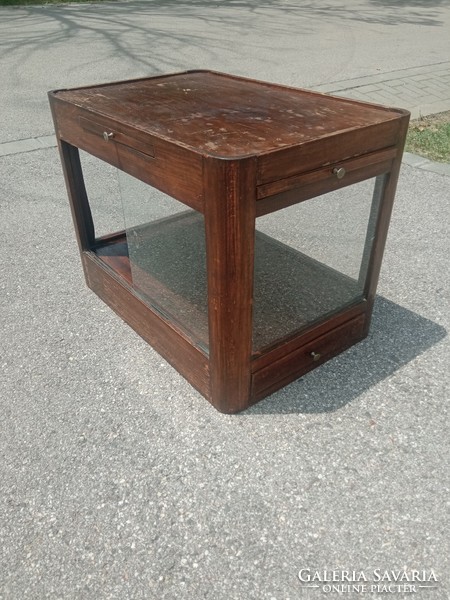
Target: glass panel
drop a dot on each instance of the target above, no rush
(166, 250)
(103, 191)
(311, 259)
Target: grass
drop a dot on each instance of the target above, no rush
(430, 137)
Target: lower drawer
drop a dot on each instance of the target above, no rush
(305, 358)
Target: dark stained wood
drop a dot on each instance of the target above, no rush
(144, 157)
(230, 240)
(327, 150)
(295, 364)
(297, 339)
(68, 129)
(137, 141)
(319, 182)
(383, 157)
(221, 115)
(377, 195)
(232, 149)
(115, 255)
(384, 217)
(76, 190)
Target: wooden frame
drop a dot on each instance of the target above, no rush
(232, 149)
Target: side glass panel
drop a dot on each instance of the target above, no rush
(154, 242)
(103, 191)
(311, 260)
(167, 259)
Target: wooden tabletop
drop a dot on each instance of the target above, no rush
(222, 115)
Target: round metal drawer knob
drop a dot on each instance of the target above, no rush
(339, 172)
(316, 355)
(108, 135)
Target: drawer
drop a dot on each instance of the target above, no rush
(163, 165)
(307, 357)
(291, 190)
(101, 132)
(329, 150)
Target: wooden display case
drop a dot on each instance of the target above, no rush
(240, 293)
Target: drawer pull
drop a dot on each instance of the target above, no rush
(316, 356)
(339, 172)
(108, 135)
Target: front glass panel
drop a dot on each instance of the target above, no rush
(154, 242)
(166, 250)
(311, 260)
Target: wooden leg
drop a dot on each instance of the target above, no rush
(79, 204)
(229, 188)
(389, 186)
(378, 192)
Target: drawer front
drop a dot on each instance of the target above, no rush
(281, 193)
(319, 153)
(307, 357)
(167, 167)
(105, 131)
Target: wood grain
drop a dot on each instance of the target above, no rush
(230, 233)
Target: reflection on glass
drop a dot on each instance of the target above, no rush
(311, 260)
(103, 191)
(166, 250)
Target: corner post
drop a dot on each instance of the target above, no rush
(230, 213)
(384, 217)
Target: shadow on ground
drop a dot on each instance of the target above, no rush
(397, 336)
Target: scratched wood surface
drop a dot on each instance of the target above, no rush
(222, 115)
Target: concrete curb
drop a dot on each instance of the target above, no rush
(419, 162)
(27, 145)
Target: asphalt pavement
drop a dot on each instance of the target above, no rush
(118, 480)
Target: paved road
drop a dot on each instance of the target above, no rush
(117, 479)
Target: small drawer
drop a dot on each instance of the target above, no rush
(163, 165)
(329, 150)
(110, 133)
(305, 358)
(285, 192)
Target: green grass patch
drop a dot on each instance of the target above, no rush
(430, 137)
